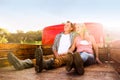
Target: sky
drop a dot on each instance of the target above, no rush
(32, 15)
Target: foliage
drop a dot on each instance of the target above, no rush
(3, 34)
(3, 39)
(33, 37)
(3, 31)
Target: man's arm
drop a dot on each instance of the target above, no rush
(55, 53)
(55, 46)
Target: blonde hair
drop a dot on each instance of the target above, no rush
(84, 29)
(81, 29)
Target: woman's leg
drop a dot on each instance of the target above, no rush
(84, 56)
(87, 58)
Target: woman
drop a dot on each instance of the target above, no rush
(85, 46)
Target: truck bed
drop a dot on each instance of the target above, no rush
(93, 72)
(108, 71)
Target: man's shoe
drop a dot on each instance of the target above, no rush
(15, 61)
(39, 59)
(78, 63)
(27, 63)
(69, 62)
(48, 64)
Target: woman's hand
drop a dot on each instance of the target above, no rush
(98, 60)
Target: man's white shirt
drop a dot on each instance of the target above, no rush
(64, 43)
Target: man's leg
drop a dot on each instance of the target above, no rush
(40, 63)
(69, 62)
(66, 59)
(39, 59)
(19, 64)
(78, 63)
(50, 63)
(60, 61)
(27, 63)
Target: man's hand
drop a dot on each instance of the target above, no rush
(58, 55)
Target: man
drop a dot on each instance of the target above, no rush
(60, 48)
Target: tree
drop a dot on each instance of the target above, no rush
(3, 34)
(3, 39)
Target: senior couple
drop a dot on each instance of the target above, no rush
(75, 47)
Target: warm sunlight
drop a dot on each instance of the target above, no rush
(35, 45)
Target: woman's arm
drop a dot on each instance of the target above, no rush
(72, 48)
(95, 47)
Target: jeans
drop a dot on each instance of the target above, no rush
(85, 56)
